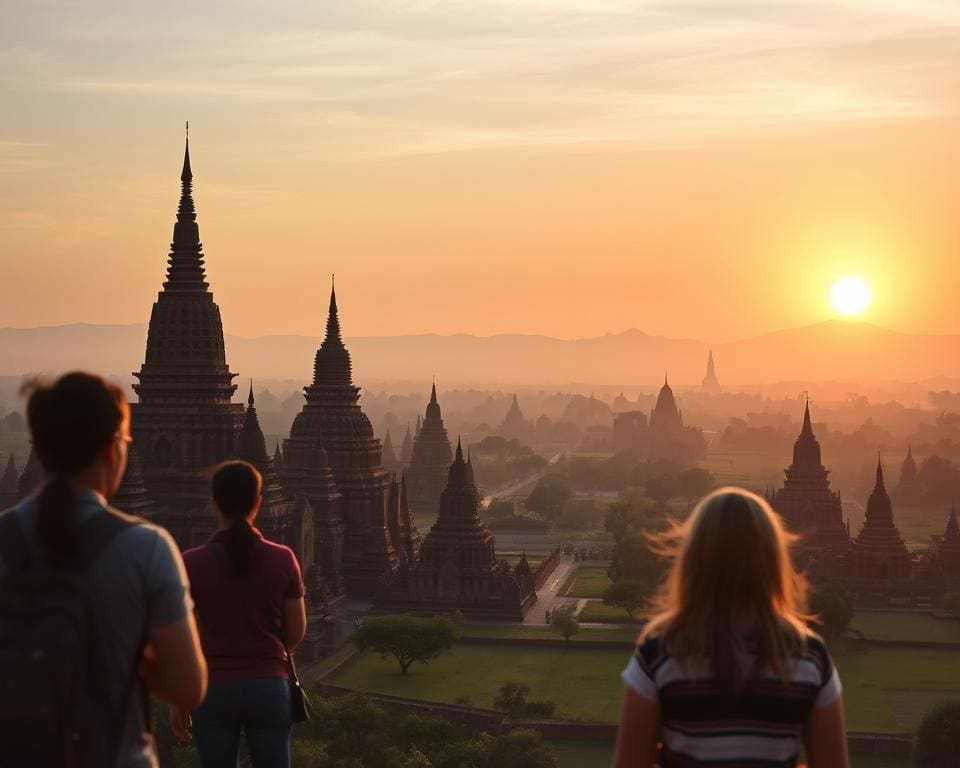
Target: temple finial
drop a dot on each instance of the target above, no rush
(459, 456)
(186, 175)
(807, 424)
(433, 392)
(250, 396)
(879, 470)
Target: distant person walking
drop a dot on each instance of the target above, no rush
(250, 608)
(94, 604)
(726, 670)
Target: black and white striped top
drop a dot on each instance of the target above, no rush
(759, 726)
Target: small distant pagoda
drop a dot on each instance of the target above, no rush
(948, 550)
(667, 437)
(711, 384)
(426, 476)
(406, 450)
(879, 554)
(909, 491)
(275, 519)
(515, 426)
(388, 456)
(806, 501)
(457, 568)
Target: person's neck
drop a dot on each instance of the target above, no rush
(91, 481)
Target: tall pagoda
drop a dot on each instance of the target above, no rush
(909, 491)
(332, 417)
(515, 426)
(389, 455)
(430, 463)
(879, 553)
(806, 501)
(458, 568)
(667, 437)
(711, 384)
(948, 551)
(184, 421)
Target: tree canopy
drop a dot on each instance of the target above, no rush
(407, 638)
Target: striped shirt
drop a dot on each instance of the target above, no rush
(759, 726)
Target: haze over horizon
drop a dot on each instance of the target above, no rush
(567, 169)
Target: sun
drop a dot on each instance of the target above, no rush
(850, 295)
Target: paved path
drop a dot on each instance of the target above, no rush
(548, 596)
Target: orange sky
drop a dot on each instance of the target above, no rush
(566, 167)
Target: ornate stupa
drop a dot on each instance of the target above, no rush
(332, 417)
(879, 553)
(806, 501)
(710, 382)
(275, 520)
(458, 568)
(427, 475)
(184, 421)
(909, 491)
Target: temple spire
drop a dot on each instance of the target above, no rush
(333, 318)
(433, 393)
(459, 456)
(185, 270)
(250, 396)
(807, 425)
(879, 471)
(332, 366)
(186, 176)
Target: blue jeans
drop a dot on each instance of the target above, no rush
(262, 708)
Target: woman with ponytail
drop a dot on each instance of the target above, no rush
(94, 608)
(249, 600)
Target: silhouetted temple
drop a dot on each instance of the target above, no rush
(710, 382)
(184, 421)
(406, 450)
(377, 533)
(275, 519)
(668, 437)
(515, 426)
(808, 505)
(948, 550)
(909, 492)
(388, 456)
(430, 463)
(132, 496)
(879, 554)
(457, 568)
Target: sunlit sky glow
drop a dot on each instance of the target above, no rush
(567, 167)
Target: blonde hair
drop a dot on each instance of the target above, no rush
(731, 572)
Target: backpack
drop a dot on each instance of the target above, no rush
(54, 705)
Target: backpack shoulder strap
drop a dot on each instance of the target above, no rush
(97, 532)
(13, 542)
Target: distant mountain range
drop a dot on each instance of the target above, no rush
(832, 350)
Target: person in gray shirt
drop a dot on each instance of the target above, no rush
(143, 611)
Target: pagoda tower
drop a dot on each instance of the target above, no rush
(389, 456)
(406, 450)
(31, 478)
(806, 502)
(710, 382)
(430, 464)
(458, 568)
(274, 519)
(948, 552)
(878, 551)
(332, 417)
(132, 496)
(515, 426)
(665, 417)
(909, 492)
(9, 484)
(184, 421)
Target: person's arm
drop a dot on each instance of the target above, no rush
(294, 621)
(637, 734)
(175, 670)
(825, 737)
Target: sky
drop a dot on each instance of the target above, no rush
(696, 169)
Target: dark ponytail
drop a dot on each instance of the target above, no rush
(71, 421)
(236, 489)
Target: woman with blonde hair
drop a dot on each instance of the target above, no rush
(726, 670)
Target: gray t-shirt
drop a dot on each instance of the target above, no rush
(142, 584)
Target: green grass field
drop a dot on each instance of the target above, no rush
(886, 689)
(596, 611)
(586, 581)
(533, 632)
(913, 627)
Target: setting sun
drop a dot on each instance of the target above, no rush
(850, 295)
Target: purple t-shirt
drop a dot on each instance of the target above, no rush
(238, 635)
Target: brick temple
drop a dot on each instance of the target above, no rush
(430, 462)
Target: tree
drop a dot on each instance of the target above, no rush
(548, 496)
(511, 699)
(695, 483)
(521, 749)
(407, 638)
(470, 753)
(564, 620)
(628, 594)
(632, 559)
(833, 606)
(662, 488)
(937, 741)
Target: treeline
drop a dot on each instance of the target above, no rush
(498, 461)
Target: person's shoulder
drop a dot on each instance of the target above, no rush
(817, 651)
(651, 651)
(276, 549)
(142, 533)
